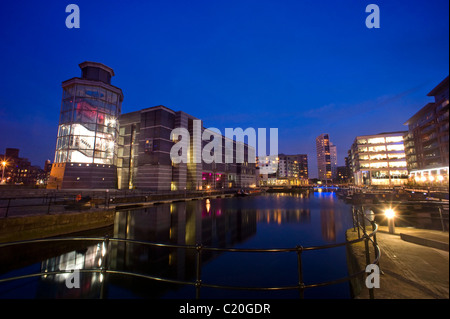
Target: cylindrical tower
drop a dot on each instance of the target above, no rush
(86, 147)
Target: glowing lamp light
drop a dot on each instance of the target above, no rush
(423, 179)
(431, 178)
(417, 179)
(440, 178)
(389, 213)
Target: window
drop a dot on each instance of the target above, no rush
(399, 147)
(376, 140)
(377, 148)
(394, 139)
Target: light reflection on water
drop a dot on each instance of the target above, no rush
(269, 221)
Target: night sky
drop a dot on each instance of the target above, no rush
(306, 67)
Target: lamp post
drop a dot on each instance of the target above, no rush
(3, 172)
(390, 214)
(370, 215)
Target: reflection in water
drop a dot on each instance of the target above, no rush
(269, 221)
(328, 224)
(54, 286)
(184, 223)
(283, 216)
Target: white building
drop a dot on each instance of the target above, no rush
(379, 160)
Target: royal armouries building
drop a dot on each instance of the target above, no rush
(99, 148)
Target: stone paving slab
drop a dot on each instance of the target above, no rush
(410, 271)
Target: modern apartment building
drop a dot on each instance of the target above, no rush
(293, 169)
(426, 142)
(379, 160)
(326, 158)
(86, 147)
(144, 159)
(334, 161)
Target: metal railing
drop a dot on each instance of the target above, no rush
(60, 201)
(363, 236)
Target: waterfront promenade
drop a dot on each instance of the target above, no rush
(409, 270)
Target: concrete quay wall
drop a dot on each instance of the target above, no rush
(40, 226)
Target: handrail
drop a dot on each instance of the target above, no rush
(301, 286)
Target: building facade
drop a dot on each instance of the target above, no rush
(267, 170)
(144, 156)
(379, 160)
(334, 161)
(293, 169)
(86, 147)
(325, 151)
(18, 170)
(426, 142)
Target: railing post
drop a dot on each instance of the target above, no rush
(353, 218)
(7, 207)
(357, 223)
(366, 244)
(198, 280)
(301, 284)
(49, 204)
(442, 218)
(103, 273)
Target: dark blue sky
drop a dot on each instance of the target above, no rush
(306, 67)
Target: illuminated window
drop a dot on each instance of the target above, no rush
(394, 139)
(376, 140)
(362, 141)
(378, 157)
(380, 148)
(397, 156)
(399, 147)
(398, 164)
(378, 165)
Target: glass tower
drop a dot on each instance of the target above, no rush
(88, 130)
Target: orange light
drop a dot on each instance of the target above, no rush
(389, 213)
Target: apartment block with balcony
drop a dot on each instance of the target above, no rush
(326, 158)
(293, 169)
(379, 160)
(426, 142)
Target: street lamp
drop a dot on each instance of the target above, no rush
(390, 214)
(3, 171)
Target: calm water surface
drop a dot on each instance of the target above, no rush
(267, 221)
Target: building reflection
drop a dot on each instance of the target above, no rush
(183, 223)
(213, 223)
(54, 286)
(283, 216)
(328, 225)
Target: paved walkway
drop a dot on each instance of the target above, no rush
(411, 270)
